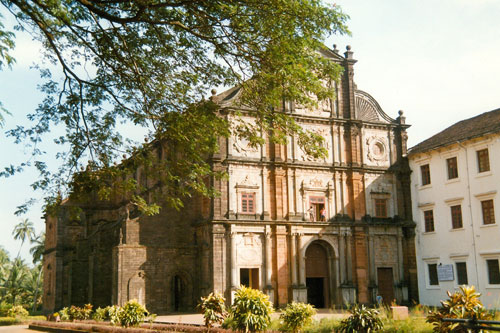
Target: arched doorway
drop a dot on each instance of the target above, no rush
(317, 275)
(181, 293)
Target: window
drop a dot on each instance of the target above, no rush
(429, 220)
(433, 274)
(493, 271)
(249, 277)
(248, 203)
(380, 207)
(317, 210)
(488, 212)
(483, 160)
(462, 273)
(451, 163)
(426, 174)
(456, 217)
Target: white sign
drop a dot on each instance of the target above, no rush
(445, 273)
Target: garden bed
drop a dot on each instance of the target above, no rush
(106, 327)
(7, 321)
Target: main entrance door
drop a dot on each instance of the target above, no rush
(317, 275)
(385, 284)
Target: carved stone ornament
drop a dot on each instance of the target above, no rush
(377, 150)
(243, 147)
(247, 183)
(316, 182)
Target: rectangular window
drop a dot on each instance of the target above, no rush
(426, 174)
(317, 211)
(488, 212)
(429, 220)
(483, 160)
(248, 203)
(462, 273)
(456, 217)
(433, 274)
(493, 271)
(451, 163)
(380, 207)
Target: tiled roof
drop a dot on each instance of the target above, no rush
(485, 123)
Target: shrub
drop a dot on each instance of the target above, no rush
(296, 316)
(113, 314)
(251, 310)
(213, 309)
(4, 308)
(463, 304)
(100, 314)
(17, 311)
(362, 319)
(132, 314)
(5, 321)
(64, 314)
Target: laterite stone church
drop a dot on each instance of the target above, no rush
(325, 231)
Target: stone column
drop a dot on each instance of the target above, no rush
(293, 257)
(269, 263)
(301, 291)
(234, 272)
(342, 257)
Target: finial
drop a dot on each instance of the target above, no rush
(214, 92)
(348, 54)
(146, 139)
(124, 156)
(335, 48)
(400, 112)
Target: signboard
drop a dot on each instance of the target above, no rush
(445, 273)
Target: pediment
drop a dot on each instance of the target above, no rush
(367, 108)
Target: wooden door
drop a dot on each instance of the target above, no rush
(385, 284)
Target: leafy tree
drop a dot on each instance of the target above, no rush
(33, 286)
(150, 64)
(37, 250)
(13, 284)
(24, 230)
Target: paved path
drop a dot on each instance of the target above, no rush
(197, 319)
(15, 329)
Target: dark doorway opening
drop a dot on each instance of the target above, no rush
(317, 276)
(249, 277)
(385, 284)
(177, 292)
(315, 292)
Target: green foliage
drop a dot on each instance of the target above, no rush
(362, 319)
(6, 321)
(296, 316)
(132, 314)
(213, 309)
(18, 311)
(114, 314)
(64, 314)
(463, 304)
(100, 314)
(153, 65)
(251, 310)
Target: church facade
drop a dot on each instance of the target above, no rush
(326, 231)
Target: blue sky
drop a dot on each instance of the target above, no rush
(437, 60)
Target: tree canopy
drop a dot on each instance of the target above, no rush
(151, 63)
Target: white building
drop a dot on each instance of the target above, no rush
(455, 179)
